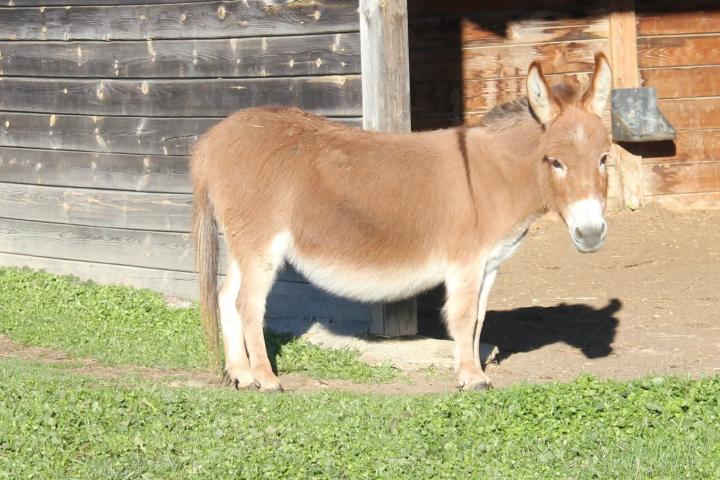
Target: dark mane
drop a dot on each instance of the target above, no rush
(507, 111)
(565, 91)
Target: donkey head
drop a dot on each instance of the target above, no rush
(574, 149)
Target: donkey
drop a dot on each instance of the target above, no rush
(380, 216)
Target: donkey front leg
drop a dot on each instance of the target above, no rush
(461, 313)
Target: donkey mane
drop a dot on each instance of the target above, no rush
(567, 93)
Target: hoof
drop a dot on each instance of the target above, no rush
(239, 382)
(273, 388)
(478, 386)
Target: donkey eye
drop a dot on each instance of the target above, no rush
(603, 159)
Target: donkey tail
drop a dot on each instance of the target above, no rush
(205, 241)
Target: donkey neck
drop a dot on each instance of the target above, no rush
(505, 158)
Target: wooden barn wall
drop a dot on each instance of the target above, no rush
(679, 55)
(100, 104)
(466, 56)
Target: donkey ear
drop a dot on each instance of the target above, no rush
(543, 103)
(597, 95)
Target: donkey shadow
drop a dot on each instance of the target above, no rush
(591, 330)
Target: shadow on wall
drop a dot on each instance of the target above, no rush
(591, 330)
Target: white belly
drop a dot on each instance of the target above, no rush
(368, 284)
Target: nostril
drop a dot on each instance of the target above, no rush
(603, 230)
(578, 233)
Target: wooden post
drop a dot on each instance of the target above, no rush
(623, 60)
(386, 107)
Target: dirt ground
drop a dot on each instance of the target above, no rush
(647, 303)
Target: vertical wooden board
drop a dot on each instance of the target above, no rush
(305, 55)
(678, 51)
(327, 95)
(103, 208)
(142, 173)
(179, 20)
(684, 82)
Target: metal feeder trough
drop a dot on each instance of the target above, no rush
(636, 118)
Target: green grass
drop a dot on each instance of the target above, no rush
(123, 325)
(55, 425)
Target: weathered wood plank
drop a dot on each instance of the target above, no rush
(234, 57)
(179, 20)
(504, 29)
(161, 250)
(142, 173)
(623, 61)
(692, 113)
(666, 179)
(386, 107)
(505, 61)
(684, 82)
(65, 3)
(687, 201)
(689, 146)
(325, 95)
(104, 208)
(678, 51)
(288, 301)
(140, 135)
(433, 8)
(673, 22)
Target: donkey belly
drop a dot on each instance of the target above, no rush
(367, 283)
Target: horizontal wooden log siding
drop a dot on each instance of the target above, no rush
(101, 103)
(679, 54)
(475, 56)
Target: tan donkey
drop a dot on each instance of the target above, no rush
(377, 216)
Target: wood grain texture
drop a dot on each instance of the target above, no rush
(692, 113)
(702, 20)
(385, 65)
(684, 82)
(161, 250)
(678, 51)
(666, 179)
(330, 95)
(234, 57)
(64, 3)
(452, 8)
(689, 146)
(504, 29)
(104, 208)
(142, 173)
(179, 20)
(505, 61)
(92, 133)
(687, 201)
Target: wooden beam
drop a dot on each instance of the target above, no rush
(386, 107)
(623, 60)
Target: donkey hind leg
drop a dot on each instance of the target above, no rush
(237, 365)
(258, 278)
(487, 284)
(461, 313)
